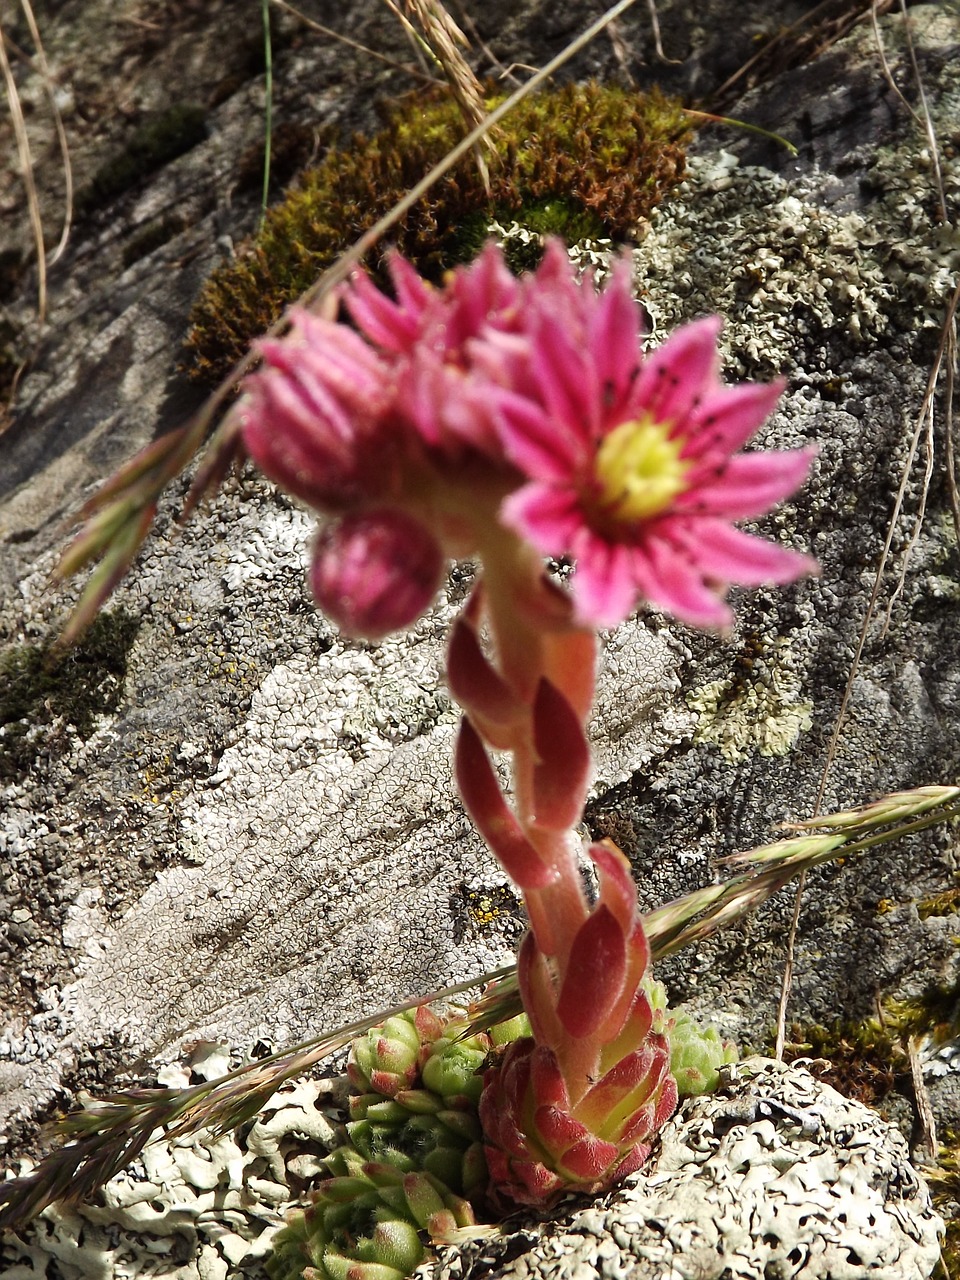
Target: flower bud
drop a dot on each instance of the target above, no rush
(375, 572)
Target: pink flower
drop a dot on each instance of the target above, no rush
(632, 463)
(316, 412)
(427, 334)
(529, 401)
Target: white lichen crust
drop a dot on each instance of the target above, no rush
(194, 1208)
(776, 1175)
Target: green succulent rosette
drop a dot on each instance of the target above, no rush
(367, 1222)
(414, 1157)
(421, 1083)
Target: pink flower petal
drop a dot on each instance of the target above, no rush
(547, 515)
(612, 335)
(482, 292)
(535, 442)
(391, 327)
(604, 584)
(566, 377)
(749, 484)
(676, 375)
(679, 589)
(413, 292)
(728, 555)
(728, 417)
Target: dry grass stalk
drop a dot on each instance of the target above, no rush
(433, 26)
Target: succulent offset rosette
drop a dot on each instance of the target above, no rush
(367, 1221)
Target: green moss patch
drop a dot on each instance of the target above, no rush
(44, 691)
(583, 158)
(868, 1057)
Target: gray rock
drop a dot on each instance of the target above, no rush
(253, 840)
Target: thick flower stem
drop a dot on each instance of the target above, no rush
(536, 640)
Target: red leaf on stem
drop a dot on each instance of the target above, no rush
(560, 776)
(595, 973)
(484, 801)
(478, 686)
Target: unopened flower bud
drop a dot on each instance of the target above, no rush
(375, 572)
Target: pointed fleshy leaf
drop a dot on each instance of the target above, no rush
(530, 1182)
(558, 1131)
(484, 801)
(476, 684)
(617, 889)
(639, 1072)
(547, 1084)
(590, 1159)
(422, 1197)
(340, 1267)
(634, 1160)
(563, 768)
(538, 992)
(634, 1028)
(594, 975)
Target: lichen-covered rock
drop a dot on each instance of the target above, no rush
(776, 1174)
(252, 838)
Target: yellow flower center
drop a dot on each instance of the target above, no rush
(639, 469)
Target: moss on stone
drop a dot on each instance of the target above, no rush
(589, 157)
(44, 690)
(945, 903)
(867, 1058)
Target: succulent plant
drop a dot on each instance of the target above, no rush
(696, 1055)
(366, 1222)
(414, 1158)
(421, 1084)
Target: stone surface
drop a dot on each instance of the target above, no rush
(255, 842)
(775, 1175)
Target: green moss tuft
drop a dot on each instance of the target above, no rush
(158, 140)
(946, 903)
(42, 690)
(869, 1057)
(865, 1057)
(583, 158)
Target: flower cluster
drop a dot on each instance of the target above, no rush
(511, 419)
(448, 417)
